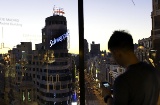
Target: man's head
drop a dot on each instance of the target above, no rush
(121, 45)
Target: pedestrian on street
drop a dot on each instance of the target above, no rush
(140, 83)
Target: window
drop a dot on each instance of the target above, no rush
(33, 69)
(43, 78)
(45, 70)
(37, 69)
(33, 62)
(33, 75)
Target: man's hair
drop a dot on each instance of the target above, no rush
(121, 40)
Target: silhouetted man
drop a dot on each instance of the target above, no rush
(140, 84)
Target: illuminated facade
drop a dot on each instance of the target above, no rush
(53, 76)
(44, 75)
(21, 85)
(142, 51)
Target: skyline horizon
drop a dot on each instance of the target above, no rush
(100, 20)
(3, 44)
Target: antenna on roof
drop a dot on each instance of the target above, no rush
(54, 10)
(58, 11)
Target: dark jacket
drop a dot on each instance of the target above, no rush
(139, 85)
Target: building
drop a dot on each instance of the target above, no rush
(95, 49)
(52, 76)
(39, 46)
(143, 49)
(155, 33)
(2, 81)
(44, 76)
(21, 83)
(16, 53)
(86, 50)
(102, 74)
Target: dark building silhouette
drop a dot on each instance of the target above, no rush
(86, 50)
(53, 34)
(95, 49)
(2, 79)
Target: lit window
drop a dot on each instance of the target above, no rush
(23, 96)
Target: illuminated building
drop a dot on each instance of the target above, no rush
(44, 75)
(53, 76)
(22, 87)
(142, 51)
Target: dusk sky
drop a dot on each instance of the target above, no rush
(101, 18)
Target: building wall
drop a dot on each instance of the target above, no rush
(39, 46)
(53, 77)
(55, 26)
(48, 67)
(86, 50)
(95, 49)
(155, 33)
(143, 49)
(114, 72)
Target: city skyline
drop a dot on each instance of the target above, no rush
(27, 19)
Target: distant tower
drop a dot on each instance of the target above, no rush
(86, 50)
(95, 49)
(155, 33)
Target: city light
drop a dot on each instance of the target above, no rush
(74, 103)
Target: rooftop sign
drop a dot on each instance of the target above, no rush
(58, 11)
(59, 39)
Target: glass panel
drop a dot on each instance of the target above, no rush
(101, 19)
(38, 52)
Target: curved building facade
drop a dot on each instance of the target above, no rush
(43, 76)
(54, 77)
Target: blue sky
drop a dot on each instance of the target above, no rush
(101, 18)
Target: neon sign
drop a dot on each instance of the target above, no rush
(59, 39)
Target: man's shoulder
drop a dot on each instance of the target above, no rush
(133, 70)
(139, 64)
(141, 67)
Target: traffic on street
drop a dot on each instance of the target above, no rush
(92, 95)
